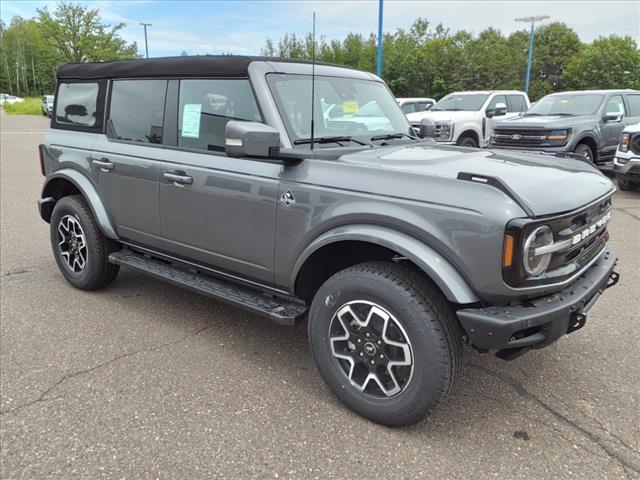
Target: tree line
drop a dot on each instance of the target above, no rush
(31, 50)
(431, 62)
(419, 61)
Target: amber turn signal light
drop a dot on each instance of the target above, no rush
(507, 251)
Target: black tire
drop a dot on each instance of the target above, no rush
(427, 321)
(97, 271)
(585, 150)
(626, 185)
(467, 141)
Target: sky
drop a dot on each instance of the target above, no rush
(241, 27)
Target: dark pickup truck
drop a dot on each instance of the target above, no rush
(588, 123)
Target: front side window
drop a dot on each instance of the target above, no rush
(466, 101)
(207, 105)
(136, 110)
(495, 101)
(77, 104)
(409, 107)
(346, 107)
(615, 106)
(567, 104)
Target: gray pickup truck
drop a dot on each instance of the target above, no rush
(588, 123)
(300, 191)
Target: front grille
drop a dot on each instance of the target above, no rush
(521, 137)
(442, 133)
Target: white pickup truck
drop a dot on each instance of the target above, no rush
(467, 118)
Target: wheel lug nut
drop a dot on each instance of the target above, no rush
(359, 341)
(372, 362)
(361, 354)
(379, 342)
(367, 334)
(381, 357)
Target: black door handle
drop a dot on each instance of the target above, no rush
(178, 178)
(104, 164)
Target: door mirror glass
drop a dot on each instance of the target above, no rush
(251, 139)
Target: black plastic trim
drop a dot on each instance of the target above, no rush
(496, 182)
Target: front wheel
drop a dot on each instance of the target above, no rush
(467, 141)
(79, 247)
(584, 150)
(627, 185)
(385, 341)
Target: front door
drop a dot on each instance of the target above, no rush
(612, 129)
(217, 210)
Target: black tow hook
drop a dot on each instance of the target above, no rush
(613, 279)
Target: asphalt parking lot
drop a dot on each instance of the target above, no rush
(144, 380)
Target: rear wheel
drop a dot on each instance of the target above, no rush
(385, 341)
(467, 141)
(79, 247)
(584, 150)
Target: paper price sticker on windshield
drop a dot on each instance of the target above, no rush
(191, 120)
(350, 106)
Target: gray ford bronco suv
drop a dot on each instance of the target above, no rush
(300, 191)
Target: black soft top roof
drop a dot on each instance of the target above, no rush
(187, 66)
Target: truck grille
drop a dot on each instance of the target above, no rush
(520, 137)
(442, 133)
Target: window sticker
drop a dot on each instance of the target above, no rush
(350, 106)
(191, 120)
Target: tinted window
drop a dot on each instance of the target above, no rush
(409, 107)
(136, 110)
(517, 103)
(615, 106)
(424, 106)
(77, 104)
(464, 101)
(207, 105)
(567, 104)
(634, 105)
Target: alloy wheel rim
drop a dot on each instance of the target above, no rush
(371, 349)
(72, 243)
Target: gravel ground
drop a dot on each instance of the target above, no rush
(144, 380)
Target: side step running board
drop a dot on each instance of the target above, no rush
(280, 309)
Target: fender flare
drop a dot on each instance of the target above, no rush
(465, 128)
(590, 134)
(437, 267)
(90, 194)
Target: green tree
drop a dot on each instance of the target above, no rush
(79, 35)
(608, 62)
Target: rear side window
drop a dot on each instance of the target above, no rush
(136, 110)
(634, 105)
(78, 104)
(517, 103)
(207, 105)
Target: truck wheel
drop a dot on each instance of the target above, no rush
(385, 341)
(627, 185)
(584, 150)
(467, 141)
(79, 247)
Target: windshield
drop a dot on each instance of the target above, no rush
(344, 107)
(456, 101)
(584, 104)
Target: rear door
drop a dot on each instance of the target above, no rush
(125, 161)
(216, 210)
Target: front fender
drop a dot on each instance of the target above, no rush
(450, 281)
(90, 194)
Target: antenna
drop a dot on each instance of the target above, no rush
(313, 75)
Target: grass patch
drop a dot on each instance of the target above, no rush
(30, 106)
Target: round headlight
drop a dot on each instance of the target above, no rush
(535, 265)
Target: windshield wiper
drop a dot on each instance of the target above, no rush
(391, 136)
(302, 141)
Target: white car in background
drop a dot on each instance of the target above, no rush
(626, 163)
(415, 104)
(10, 99)
(467, 118)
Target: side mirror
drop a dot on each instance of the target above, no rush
(427, 128)
(612, 117)
(251, 139)
(498, 111)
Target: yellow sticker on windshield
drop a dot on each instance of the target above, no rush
(350, 106)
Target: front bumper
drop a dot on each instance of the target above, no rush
(514, 329)
(630, 170)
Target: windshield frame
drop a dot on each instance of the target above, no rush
(294, 137)
(434, 107)
(602, 96)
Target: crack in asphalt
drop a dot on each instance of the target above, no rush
(624, 210)
(43, 397)
(524, 393)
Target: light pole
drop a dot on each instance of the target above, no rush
(533, 20)
(146, 46)
(379, 58)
